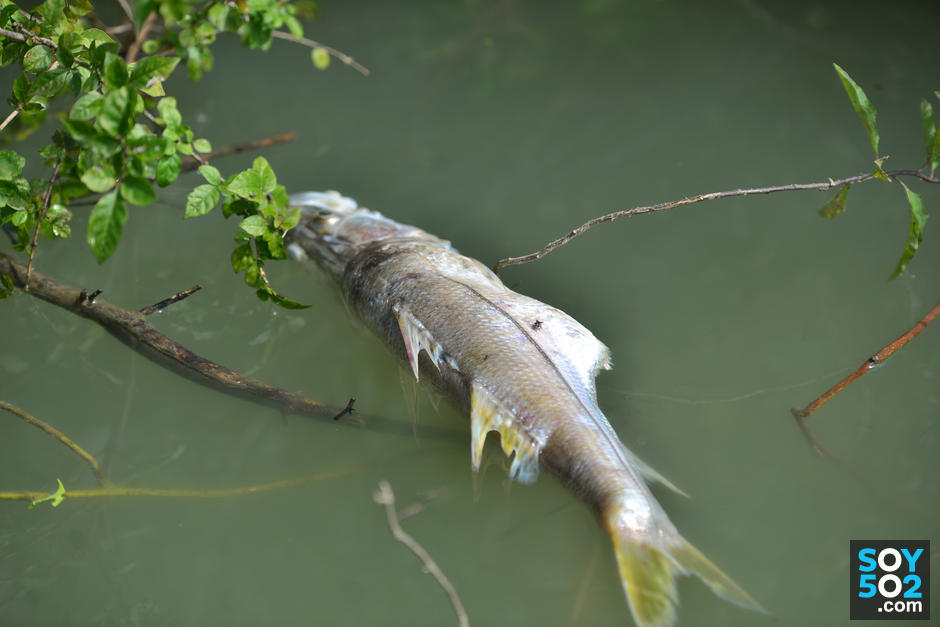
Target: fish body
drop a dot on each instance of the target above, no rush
(518, 367)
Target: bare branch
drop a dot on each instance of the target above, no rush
(192, 163)
(26, 35)
(15, 112)
(342, 56)
(385, 496)
(875, 360)
(133, 329)
(626, 213)
(134, 49)
(166, 302)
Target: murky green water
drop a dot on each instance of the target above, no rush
(501, 125)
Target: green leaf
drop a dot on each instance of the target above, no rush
(105, 225)
(64, 52)
(202, 145)
(80, 7)
(254, 225)
(117, 113)
(201, 201)
(863, 107)
(211, 174)
(293, 25)
(38, 59)
(267, 179)
(152, 67)
(50, 82)
(115, 71)
(11, 164)
(879, 171)
(21, 87)
(102, 145)
(285, 302)
(80, 130)
(320, 57)
(87, 107)
(6, 13)
(170, 114)
(168, 169)
(926, 119)
(246, 184)
(137, 191)
(20, 218)
(15, 194)
(99, 178)
(931, 136)
(916, 234)
(242, 258)
(275, 243)
(56, 497)
(291, 219)
(837, 205)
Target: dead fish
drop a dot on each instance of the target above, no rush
(518, 367)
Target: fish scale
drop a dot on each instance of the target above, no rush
(516, 366)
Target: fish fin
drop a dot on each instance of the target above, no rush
(487, 414)
(651, 474)
(417, 338)
(649, 564)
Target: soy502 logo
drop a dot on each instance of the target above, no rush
(890, 579)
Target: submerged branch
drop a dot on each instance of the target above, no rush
(61, 437)
(112, 491)
(626, 213)
(133, 329)
(802, 415)
(385, 496)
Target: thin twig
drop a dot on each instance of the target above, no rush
(15, 112)
(61, 437)
(626, 213)
(166, 302)
(875, 360)
(385, 496)
(134, 49)
(192, 164)
(342, 56)
(42, 216)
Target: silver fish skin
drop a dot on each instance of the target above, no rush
(516, 366)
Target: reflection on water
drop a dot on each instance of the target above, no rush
(500, 126)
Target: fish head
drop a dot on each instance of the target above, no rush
(333, 229)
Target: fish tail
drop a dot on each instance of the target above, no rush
(649, 565)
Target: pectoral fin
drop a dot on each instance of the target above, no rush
(417, 338)
(486, 414)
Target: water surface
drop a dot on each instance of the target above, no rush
(501, 125)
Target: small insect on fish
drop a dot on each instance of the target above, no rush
(455, 323)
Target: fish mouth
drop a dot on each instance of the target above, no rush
(317, 236)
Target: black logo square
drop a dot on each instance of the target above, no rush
(889, 580)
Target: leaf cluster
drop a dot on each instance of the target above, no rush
(263, 205)
(867, 114)
(118, 136)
